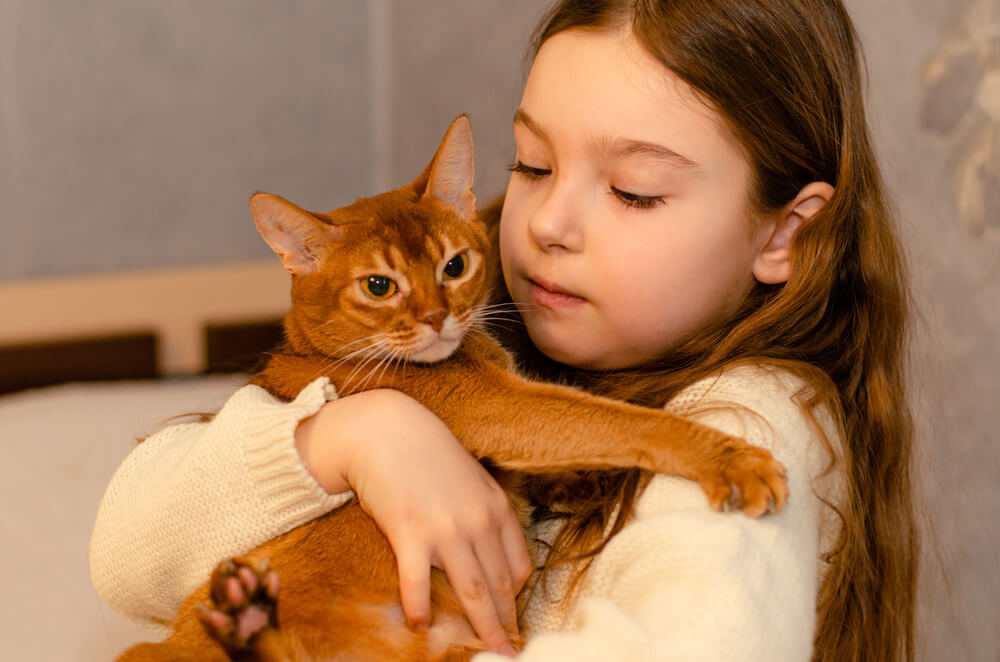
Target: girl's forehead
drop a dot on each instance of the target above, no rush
(601, 87)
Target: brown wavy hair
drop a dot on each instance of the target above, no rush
(786, 76)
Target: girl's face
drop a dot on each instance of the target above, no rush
(626, 226)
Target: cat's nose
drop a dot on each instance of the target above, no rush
(435, 318)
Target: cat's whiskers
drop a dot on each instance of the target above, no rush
(393, 360)
(503, 312)
(329, 364)
(373, 341)
(499, 310)
(330, 358)
(403, 360)
(367, 339)
(509, 305)
(377, 351)
(337, 362)
(496, 314)
(384, 360)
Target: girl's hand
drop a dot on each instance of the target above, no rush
(434, 502)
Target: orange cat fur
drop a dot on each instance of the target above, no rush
(387, 293)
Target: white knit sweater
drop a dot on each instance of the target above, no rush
(679, 582)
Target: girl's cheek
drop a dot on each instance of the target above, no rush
(508, 229)
(515, 208)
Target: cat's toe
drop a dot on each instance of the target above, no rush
(749, 479)
(243, 603)
(763, 483)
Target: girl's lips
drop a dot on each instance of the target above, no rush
(550, 295)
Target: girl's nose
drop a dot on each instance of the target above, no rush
(555, 225)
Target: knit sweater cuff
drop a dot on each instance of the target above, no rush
(288, 492)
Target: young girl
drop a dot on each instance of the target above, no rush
(694, 220)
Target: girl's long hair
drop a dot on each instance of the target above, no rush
(786, 77)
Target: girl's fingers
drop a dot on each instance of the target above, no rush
(496, 569)
(415, 587)
(466, 576)
(516, 551)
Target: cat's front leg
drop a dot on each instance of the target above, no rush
(545, 428)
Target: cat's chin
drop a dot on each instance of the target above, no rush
(438, 350)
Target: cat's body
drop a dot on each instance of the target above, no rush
(387, 293)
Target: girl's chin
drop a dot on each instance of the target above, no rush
(569, 352)
(576, 354)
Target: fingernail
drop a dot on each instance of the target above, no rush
(508, 650)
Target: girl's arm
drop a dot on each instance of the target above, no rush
(438, 506)
(681, 582)
(192, 495)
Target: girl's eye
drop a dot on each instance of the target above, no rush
(379, 288)
(636, 201)
(455, 267)
(528, 171)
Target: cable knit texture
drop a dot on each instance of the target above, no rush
(679, 582)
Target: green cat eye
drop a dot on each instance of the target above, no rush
(378, 287)
(455, 267)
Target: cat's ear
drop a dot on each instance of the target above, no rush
(299, 238)
(450, 175)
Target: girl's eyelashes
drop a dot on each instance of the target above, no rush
(631, 200)
(528, 171)
(636, 201)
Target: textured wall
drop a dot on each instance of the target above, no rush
(132, 132)
(935, 108)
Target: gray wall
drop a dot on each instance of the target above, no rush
(133, 131)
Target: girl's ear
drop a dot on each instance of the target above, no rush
(772, 265)
(299, 238)
(451, 173)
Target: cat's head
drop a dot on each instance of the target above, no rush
(398, 276)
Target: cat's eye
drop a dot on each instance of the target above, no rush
(455, 267)
(378, 287)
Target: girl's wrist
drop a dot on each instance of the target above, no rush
(320, 441)
(328, 440)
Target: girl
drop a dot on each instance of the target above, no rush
(695, 220)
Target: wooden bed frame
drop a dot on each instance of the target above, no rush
(142, 324)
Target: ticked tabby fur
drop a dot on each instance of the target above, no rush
(389, 292)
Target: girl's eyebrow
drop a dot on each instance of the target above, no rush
(625, 147)
(617, 147)
(523, 118)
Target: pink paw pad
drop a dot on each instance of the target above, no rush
(243, 603)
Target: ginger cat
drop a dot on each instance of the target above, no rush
(389, 292)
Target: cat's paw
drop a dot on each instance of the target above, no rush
(243, 603)
(747, 478)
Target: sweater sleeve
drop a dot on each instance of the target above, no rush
(194, 494)
(681, 582)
